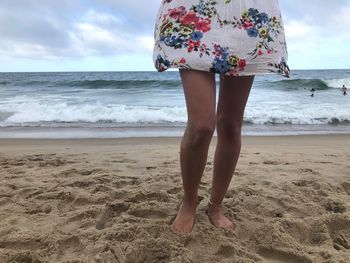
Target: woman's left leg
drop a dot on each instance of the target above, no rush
(233, 97)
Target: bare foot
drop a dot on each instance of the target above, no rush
(183, 223)
(218, 219)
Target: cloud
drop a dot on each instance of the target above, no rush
(59, 29)
(66, 30)
(103, 34)
(316, 37)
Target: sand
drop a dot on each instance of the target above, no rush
(110, 200)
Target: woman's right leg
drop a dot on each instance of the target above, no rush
(200, 95)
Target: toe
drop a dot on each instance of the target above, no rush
(183, 225)
(179, 231)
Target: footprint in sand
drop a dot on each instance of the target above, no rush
(72, 247)
(340, 242)
(75, 220)
(125, 234)
(174, 190)
(25, 256)
(111, 210)
(223, 250)
(226, 251)
(121, 183)
(149, 213)
(156, 250)
(309, 170)
(346, 187)
(272, 255)
(303, 183)
(339, 230)
(142, 197)
(335, 206)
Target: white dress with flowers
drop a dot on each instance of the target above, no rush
(230, 37)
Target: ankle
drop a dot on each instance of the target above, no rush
(214, 205)
(190, 201)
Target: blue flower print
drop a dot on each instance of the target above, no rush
(252, 32)
(196, 35)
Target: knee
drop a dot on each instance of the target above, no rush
(200, 132)
(229, 127)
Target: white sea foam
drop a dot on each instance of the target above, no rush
(304, 115)
(259, 113)
(30, 112)
(337, 83)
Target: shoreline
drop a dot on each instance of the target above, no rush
(285, 142)
(160, 139)
(161, 131)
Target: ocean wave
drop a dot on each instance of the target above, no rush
(317, 84)
(285, 84)
(120, 84)
(337, 121)
(293, 84)
(337, 83)
(31, 112)
(4, 115)
(62, 112)
(98, 84)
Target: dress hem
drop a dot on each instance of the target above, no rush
(239, 74)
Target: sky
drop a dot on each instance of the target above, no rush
(117, 35)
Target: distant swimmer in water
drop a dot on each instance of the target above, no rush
(344, 90)
(312, 92)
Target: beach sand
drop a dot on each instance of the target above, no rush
(111, 200)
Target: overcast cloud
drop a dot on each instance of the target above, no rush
(118, 34)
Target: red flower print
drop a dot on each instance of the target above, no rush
(241, 63)
(203, 25)
(189, 18)
(217, 50)
(247, 24)
(260, 52)
(192, 44)
(177, 13)
(182, 61)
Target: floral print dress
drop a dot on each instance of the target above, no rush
(230, 37)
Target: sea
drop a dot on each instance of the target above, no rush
(149, 104)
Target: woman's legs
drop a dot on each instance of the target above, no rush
(200, 94)
(233, 96)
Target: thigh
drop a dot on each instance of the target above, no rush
(200, 95)
(233, 97)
